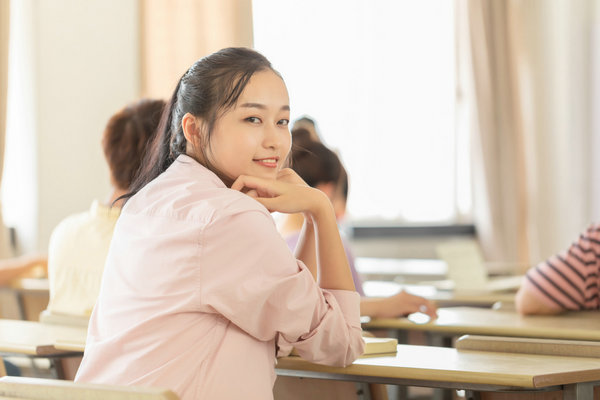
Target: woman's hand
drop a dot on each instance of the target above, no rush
(403, 304)
(287, 194)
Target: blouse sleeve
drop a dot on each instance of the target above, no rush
(569, 280)
(249, 276)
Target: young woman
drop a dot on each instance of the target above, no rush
(199, 287)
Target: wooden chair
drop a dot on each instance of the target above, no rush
(51, 389)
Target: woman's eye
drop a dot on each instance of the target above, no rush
(254, 120)
(283, 122)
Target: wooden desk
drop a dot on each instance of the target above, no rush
(25, 298)
(443, 298)
(74, 345)
(584, 325)
(35, 338)
(35, 388)
(440, 367)
(400, 270)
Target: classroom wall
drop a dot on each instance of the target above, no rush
(86, 57)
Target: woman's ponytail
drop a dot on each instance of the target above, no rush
(159, 156)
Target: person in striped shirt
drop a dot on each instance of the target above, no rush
(565, 282)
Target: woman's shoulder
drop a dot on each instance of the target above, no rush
(199, 196)
(591, 235)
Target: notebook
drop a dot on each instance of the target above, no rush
(373, 346)
(467, 271)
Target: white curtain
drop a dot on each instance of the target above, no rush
(175, 33)
(530, 66)
(487, 50)
(5, 248)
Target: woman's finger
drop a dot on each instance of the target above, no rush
(263, 187)
(269, 203)
(247, 181)
(290, 176)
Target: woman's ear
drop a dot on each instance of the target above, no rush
(192, 128)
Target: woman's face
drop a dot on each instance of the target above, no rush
(253, 138)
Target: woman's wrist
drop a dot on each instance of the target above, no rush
(320, 208)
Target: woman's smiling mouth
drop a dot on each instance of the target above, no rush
(267, 162)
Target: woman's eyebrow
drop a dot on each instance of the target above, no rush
(262, 106)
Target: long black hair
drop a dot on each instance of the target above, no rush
(210, 87)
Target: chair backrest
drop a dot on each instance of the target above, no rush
(52, 389)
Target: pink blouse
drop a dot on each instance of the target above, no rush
(197, 290)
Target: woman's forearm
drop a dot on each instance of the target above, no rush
(334, 271)
(306, 250)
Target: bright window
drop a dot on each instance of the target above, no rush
(379, 78)
(19, 189)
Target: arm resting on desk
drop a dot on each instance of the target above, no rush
(398, 305)
(527, 304)
(11, 268)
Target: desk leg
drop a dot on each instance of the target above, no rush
(21, 304)
(363, 390)
(57, 366)
(578, 391)
(440, 340)
(442, 394)
(398, 392)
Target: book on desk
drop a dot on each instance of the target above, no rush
(374, 346)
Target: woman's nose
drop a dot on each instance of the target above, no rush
(273, 137)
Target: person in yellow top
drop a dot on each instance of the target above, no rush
(79, 244)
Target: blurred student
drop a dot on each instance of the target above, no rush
(308, 124)
(321, 168)
(79, 244)
(565, 282)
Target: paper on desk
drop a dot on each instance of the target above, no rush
(465, 264)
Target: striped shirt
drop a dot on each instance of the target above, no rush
(569, 280)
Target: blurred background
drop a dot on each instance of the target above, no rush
(453, 118)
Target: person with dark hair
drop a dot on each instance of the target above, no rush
(79, 243)
(308, 124)
(322, 169)
(199, 287)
